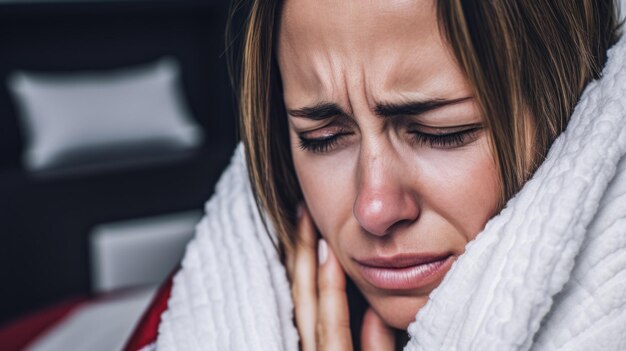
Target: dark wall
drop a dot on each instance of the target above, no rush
(44, 222)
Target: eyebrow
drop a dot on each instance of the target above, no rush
(319, 111)
(413, 108)
(325, 110)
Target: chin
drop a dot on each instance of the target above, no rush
(398, 311)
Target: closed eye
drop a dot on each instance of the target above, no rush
(445, 140)
(458, 138)
(323, 144)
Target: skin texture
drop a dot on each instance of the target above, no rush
(376, 191)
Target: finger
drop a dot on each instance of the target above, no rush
(333, 325)
(303, 287)
(375, 334)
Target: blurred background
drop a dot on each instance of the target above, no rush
(116, 120)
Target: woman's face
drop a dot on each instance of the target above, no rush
(388, 144)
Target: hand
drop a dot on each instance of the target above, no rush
(320, 301)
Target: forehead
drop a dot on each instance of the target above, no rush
(325, 46)
(336, 20)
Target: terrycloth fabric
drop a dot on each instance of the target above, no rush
(232, 291)
(547, 273)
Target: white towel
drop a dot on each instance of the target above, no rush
(547, 273)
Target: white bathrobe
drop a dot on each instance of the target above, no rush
(547, 273)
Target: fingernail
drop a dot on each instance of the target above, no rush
(322, 251)
(300, 210)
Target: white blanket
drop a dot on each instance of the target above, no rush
(547, 273)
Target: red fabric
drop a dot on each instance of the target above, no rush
(147, 329)
(18, 334)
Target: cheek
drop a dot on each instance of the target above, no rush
(468, 188)
(328, 187)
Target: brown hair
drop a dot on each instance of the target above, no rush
(527, 61)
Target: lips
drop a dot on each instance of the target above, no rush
(404, 272)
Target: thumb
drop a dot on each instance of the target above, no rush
(375, 334)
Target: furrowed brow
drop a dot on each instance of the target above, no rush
(318, 112)
(414, 108)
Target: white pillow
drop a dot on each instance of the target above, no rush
(75, 119)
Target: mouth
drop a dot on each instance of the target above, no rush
(404, 272)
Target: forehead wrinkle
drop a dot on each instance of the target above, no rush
(335, 85)
(316, 70)
(322, 81)
(330, 81)
(333, 32)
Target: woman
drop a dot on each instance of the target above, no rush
(393, 132)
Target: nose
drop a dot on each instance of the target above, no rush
(384, 199)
